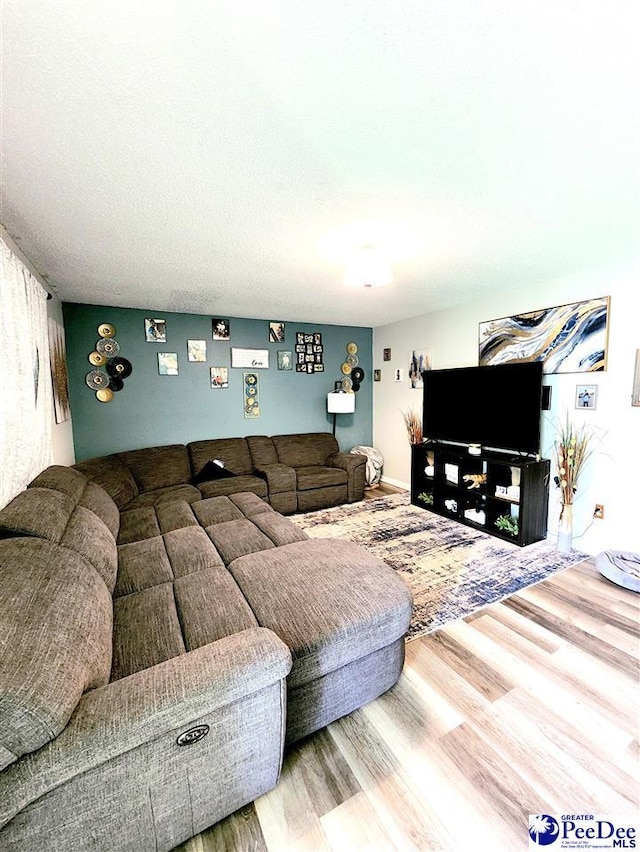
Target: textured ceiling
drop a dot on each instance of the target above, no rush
(218, 157)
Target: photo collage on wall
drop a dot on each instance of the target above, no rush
(309, 352)
(308, 356)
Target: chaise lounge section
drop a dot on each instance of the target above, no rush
(157, 660)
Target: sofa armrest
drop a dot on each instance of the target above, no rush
(124, 715)
(355, 466)
(347, 461)
(279, 477)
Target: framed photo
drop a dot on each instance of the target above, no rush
(377, 375)
(168, 363)
(155, 330)
(197, 350)
(220, 329)
(276, 332)
(285, 360)
(219, 377)
(586, 396)
(399, 375)
(253, 358)
(420, 361)
(567, 339)
(386, 354)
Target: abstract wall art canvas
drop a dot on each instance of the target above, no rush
(567, 339)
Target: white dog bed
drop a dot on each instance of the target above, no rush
(620, 568)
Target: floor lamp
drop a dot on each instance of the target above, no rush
(340, 402)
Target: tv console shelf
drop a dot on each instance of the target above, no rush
(502, 494)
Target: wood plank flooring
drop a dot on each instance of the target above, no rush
(529, 706)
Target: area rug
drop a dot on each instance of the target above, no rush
(453, 570)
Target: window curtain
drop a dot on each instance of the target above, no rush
(26, 397)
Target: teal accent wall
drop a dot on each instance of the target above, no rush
(152, 410)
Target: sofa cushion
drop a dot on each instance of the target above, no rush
(222, 487)
(302, 450)
(237, 538)
(111, 474)
(158, 467)
(234, 452)
(330, 601)
(67, 480)
(38, 512)
(90, 537)
(210, 606)
(262, 451)
(142, 564)
(137, 524)
(167, 494)
(98, 501)
(135, 649)
(56, 619)
(319, 477)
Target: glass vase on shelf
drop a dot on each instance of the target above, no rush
(565, 528)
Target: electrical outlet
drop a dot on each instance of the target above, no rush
(598, 512)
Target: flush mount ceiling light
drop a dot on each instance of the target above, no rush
(367, 266)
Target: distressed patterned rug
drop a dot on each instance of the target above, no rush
(452, 570)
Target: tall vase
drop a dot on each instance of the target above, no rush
(565, 528)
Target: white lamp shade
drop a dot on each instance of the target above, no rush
(341, 403)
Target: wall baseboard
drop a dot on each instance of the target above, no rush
(396, 483)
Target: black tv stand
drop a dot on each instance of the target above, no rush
(501, 494)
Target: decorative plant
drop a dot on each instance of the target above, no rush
(425, 498)
(414, 426)
(507, 524)
(571, 449)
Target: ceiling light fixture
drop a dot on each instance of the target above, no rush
(367, 266)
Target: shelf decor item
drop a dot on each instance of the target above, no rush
(571, 450)
(413, 425)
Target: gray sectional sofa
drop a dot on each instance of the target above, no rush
(294, 473)
(157, 660)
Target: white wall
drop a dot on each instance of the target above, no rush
(612, 475)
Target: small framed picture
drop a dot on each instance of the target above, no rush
(377, 375)
(386, 354)
(586, 396)
(219, 377)
(399, 375)
(276, 332)
(155, 330)
(285, 360)
(168, 363)
(220, 329)
(197, 350)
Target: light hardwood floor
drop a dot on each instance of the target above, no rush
(529, 706)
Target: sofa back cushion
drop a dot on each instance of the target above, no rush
(57, 621)
(262, 451)
(234, 452)
(82, 491)
(51, 515)
(304, 450)
(158, 467)
(111, 474)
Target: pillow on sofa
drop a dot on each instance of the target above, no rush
(212, 470)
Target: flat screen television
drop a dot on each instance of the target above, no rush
(497, 407)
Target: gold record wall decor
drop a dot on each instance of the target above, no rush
(109, 369)
(352, 374)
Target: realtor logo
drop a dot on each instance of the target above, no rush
(543, 829)
(583, 831)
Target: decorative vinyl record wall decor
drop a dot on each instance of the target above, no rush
(110, 370)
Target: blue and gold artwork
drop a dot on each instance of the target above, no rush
(567, 339)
